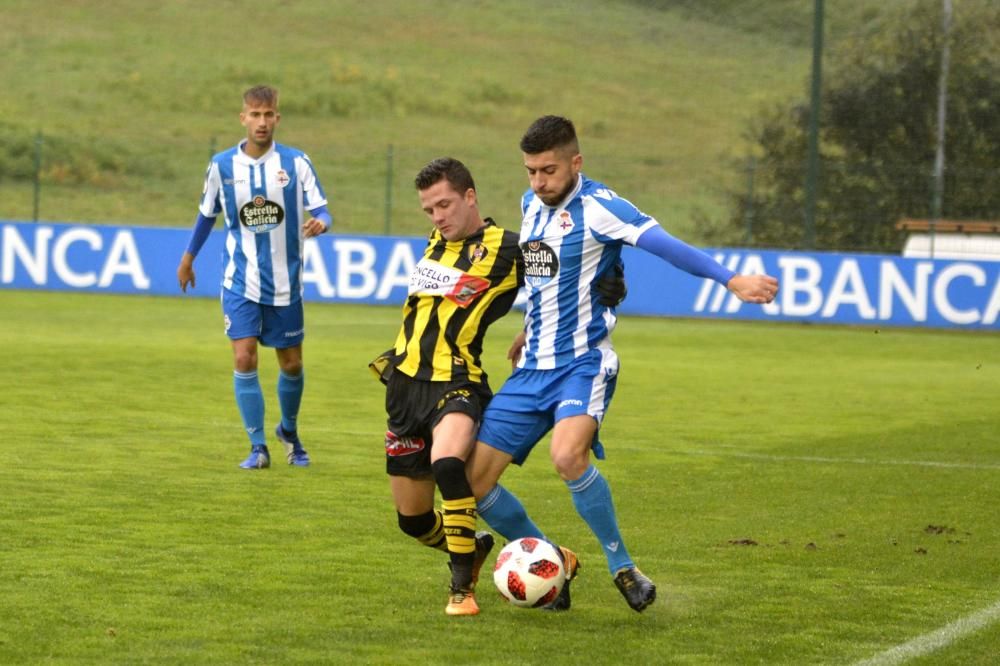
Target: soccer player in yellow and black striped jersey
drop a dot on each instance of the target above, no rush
(436, 388)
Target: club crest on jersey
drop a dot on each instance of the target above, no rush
(540, 263)
(396, 446)
(565, 223)
(477, 253)
(281, 178)
(260, 215)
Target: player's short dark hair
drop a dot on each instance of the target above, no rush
(550, 133)
(261, 95)
(445, 168)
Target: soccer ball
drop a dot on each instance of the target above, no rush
(529, 572)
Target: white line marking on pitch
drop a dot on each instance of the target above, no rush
(927, 643)
(853, 461)
(935, 640)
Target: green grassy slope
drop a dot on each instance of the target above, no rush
(131, 97)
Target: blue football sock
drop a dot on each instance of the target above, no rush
(250, 400)
(592, 499)
(290, 397)
(505, 514)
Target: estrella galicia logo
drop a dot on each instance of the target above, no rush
(540, 263)
(260, 215)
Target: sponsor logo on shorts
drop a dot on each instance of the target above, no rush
(397, 446)
(227, 321)
(293, 334)
(458, 395)
(570, 403)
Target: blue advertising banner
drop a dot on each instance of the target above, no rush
(815, 287)
(822, 287)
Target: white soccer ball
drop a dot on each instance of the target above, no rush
(529, 572)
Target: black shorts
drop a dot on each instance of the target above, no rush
(414, 408)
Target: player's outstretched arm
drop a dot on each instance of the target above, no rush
(656, 240)
(748, 288)
(754, 288)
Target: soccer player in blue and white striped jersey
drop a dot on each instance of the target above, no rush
(271, 200)
(572, 231)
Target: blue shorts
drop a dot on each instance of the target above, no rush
(277, 326)
(531, 402)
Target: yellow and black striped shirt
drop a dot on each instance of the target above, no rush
(457, 289)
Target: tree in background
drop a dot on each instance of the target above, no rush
(878, 128)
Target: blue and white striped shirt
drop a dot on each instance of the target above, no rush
(264, 202)
(565, 248)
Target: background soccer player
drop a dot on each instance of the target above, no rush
(264, 190)
(572, 230)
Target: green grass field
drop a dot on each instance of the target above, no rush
(800, 495)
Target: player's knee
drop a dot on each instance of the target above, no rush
(477, 479)
(449, 474)
(416, 526)
(485, 468)
(480, 486)
(245, 362)
(570, 464)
